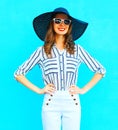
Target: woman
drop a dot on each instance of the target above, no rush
(59, 60)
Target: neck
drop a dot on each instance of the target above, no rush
(60, 42)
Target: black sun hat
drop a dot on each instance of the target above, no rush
(41, 22)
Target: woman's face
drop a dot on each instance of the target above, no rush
(61, 27)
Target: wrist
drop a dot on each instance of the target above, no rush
(40, 91)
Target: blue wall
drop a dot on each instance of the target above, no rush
(20, 109)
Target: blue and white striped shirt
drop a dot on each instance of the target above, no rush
(62, 69)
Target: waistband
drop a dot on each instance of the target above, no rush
(61, 94)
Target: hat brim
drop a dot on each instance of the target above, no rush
(41, 22)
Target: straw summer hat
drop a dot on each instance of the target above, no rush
(41, 22)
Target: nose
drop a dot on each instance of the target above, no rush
(62, 23)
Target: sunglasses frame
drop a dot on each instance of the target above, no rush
(62, 20)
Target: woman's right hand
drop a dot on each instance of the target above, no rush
(49, 88)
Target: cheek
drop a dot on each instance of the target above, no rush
(67, 27)
(54, 27)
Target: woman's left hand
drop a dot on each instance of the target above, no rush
(76, 90)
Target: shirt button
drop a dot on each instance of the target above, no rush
(49, 99)
(47, 104)
(74, 99)
(76, 103)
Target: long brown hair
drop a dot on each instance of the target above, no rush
(50, 40)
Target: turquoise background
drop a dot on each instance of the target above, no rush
(20, 109)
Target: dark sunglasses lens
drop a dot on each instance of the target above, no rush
(57, 21)
(67, 21)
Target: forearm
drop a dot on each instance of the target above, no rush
(23, 80)
(96, 78)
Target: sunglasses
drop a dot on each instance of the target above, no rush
(59, 21)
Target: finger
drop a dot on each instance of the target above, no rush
(52, 89)
(71, 91)
(51, 85)
(72, 86)
(50, 92)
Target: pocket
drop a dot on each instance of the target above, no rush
(50, 66)
(72, 64)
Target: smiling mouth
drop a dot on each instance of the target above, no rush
(61, 29)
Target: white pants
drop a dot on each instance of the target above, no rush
(61, 111)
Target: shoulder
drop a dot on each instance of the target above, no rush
(78, 47)
(39, 49)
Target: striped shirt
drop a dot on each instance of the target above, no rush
(62, 69)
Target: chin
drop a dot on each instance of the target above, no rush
(62, 33)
